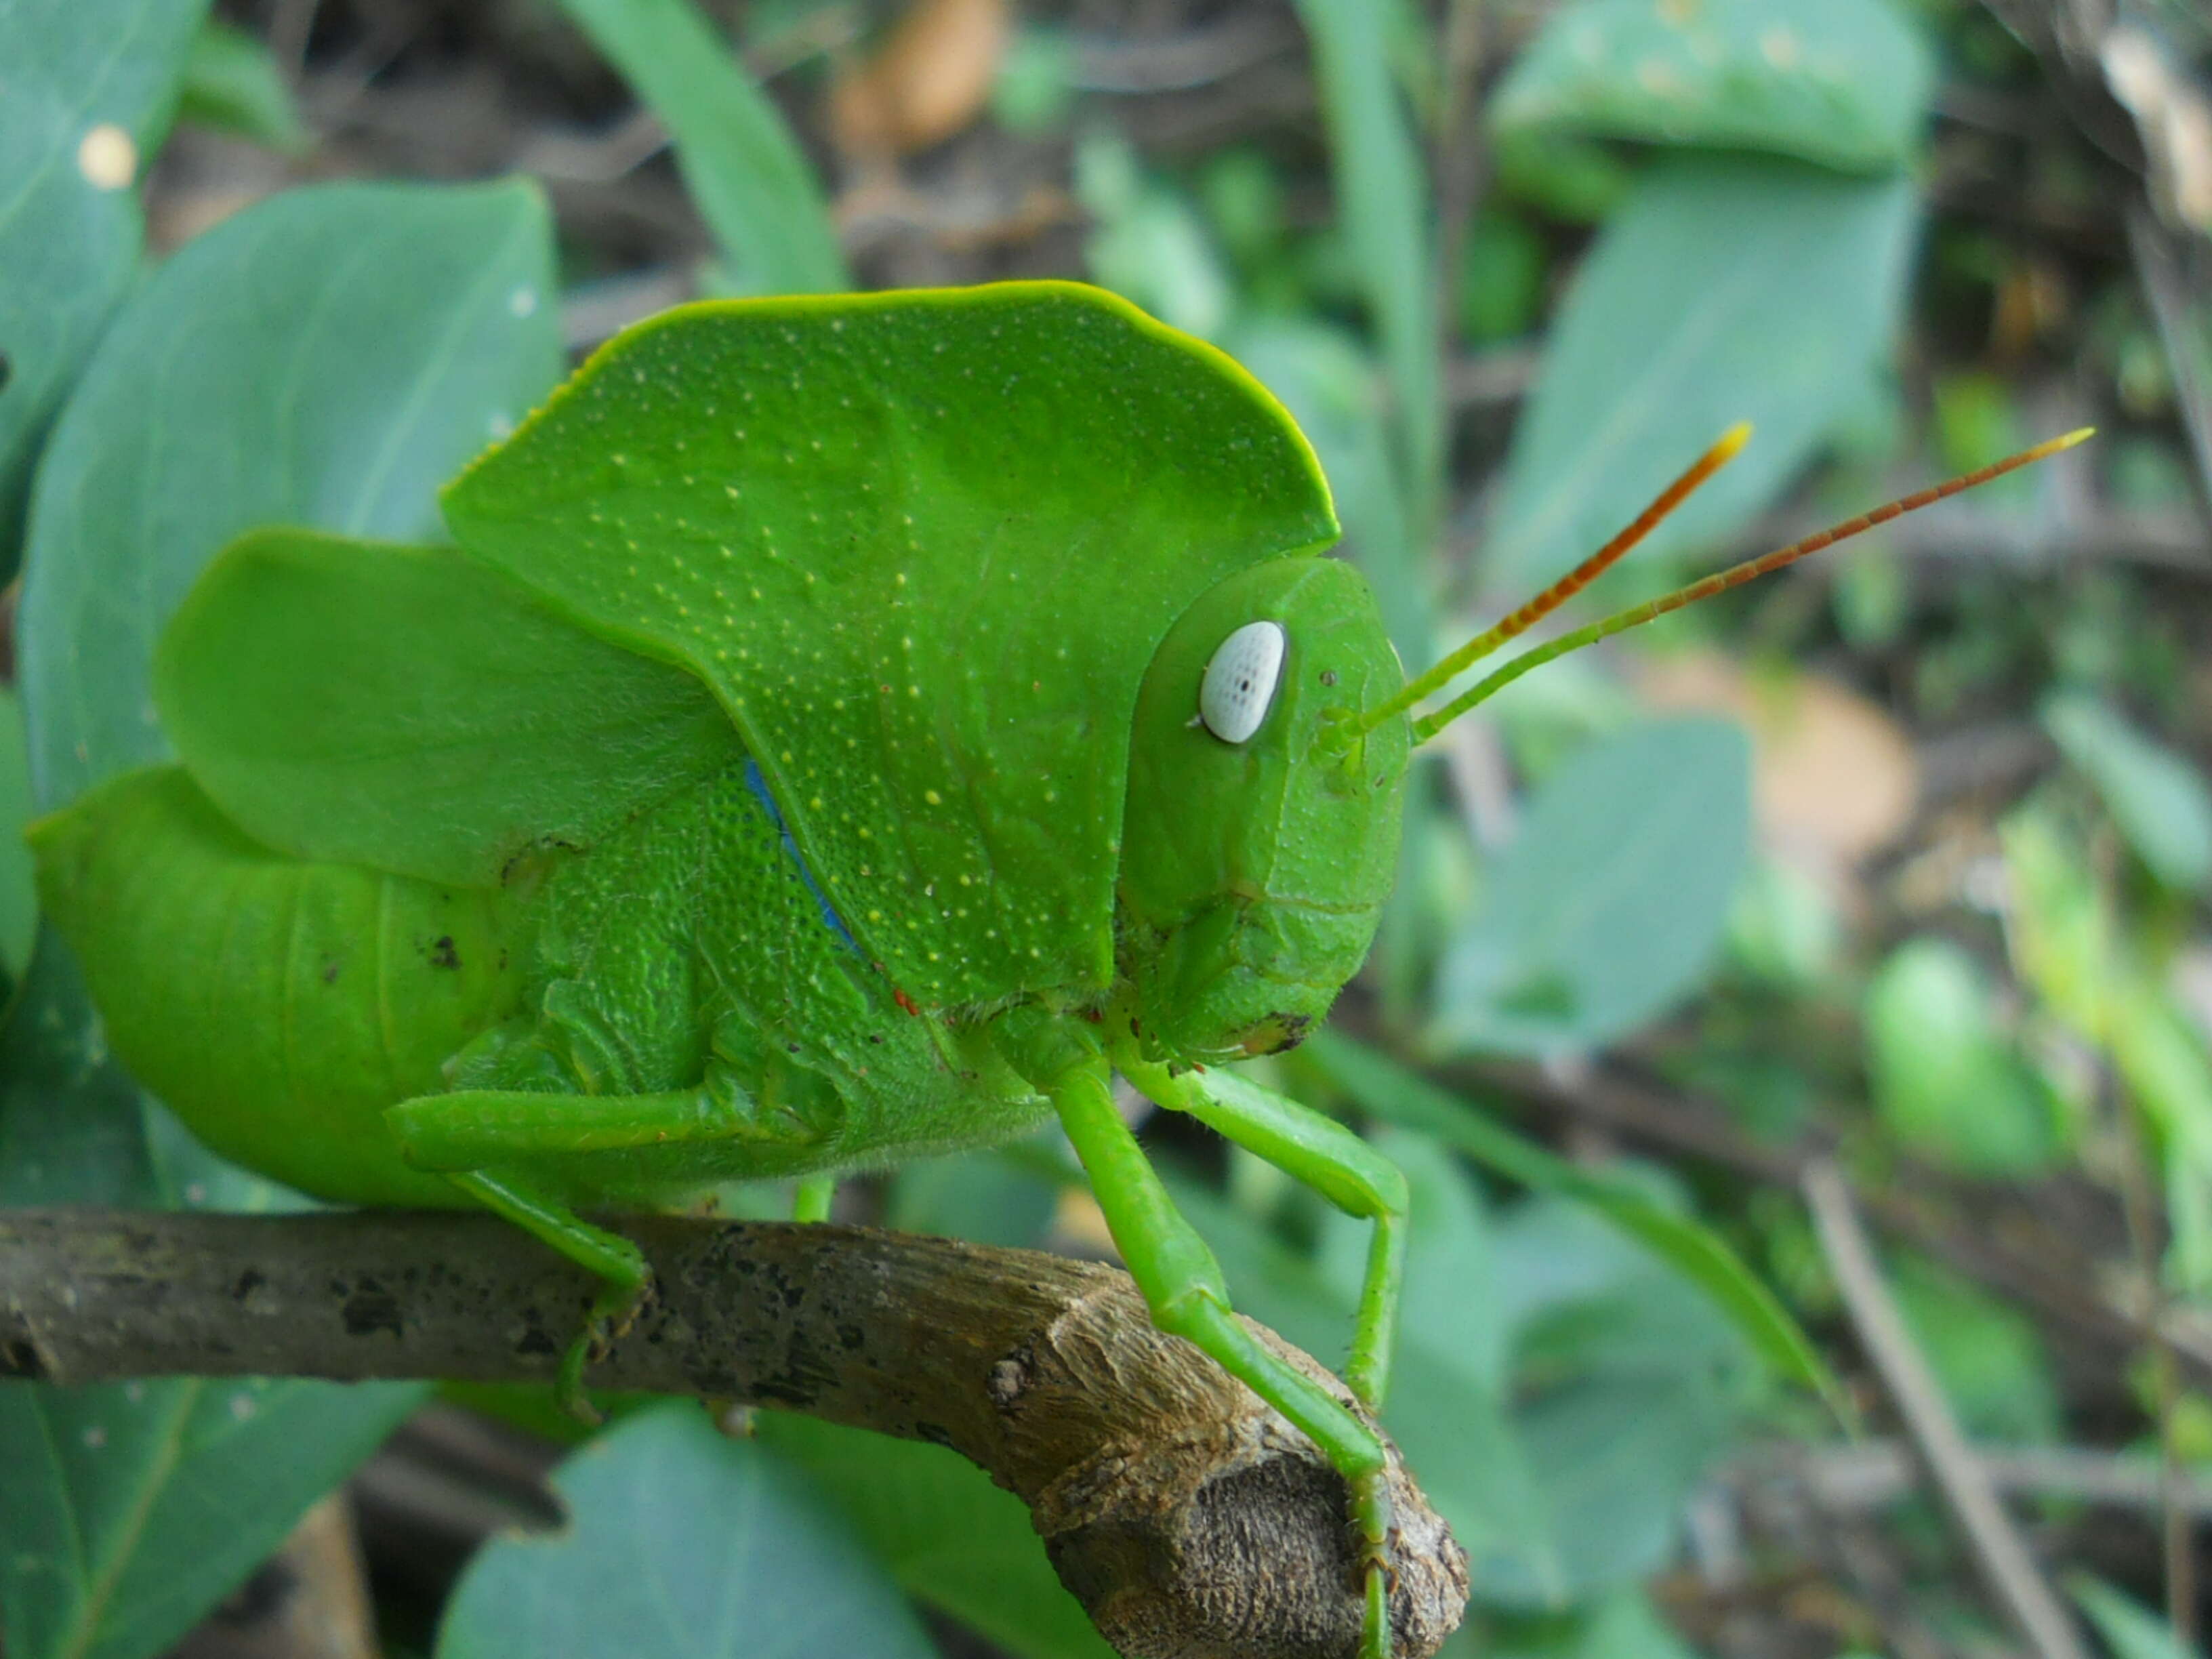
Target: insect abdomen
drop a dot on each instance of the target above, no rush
(252, 992)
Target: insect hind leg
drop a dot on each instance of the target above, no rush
(627, 1276)
(474, 1128)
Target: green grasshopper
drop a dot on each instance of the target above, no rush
(847, 729)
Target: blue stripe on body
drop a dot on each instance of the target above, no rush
(831, 918)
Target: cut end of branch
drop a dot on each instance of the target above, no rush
(1249, 1557)
(1208, 1528)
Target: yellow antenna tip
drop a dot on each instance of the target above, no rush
(2049, 446)
(1732, 440)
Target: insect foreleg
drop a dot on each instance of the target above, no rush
(1183, 1285)
(1331, 1160)
(613, 1257)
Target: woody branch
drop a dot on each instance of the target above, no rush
(1184, 1513)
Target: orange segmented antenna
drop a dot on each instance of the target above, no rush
(1720, 581)
(1723, 452)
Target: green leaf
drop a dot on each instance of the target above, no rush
(1783, 931)
(19, 901)
(1577, 181)
(681, 1544)
(1845, 83)
(2129, 1628)
(949, 1536)
(2155, 796)
(96, 1151)
(2070, 950)
(326, 358)
(471, 722)
(70, 236)
(1623, 1625)
(1629, 1386)
(1501, 284)
(1726, 288)
(131, 1508)
(747, 175)
(1147, 242)
(1037, 82)
(1945, 1081)
(1385, 1090)
(232, 84)
(1381, 197)
(1989, 1356)
(984, 1197)
(1610, 904)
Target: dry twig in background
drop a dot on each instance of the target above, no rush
(1998, 1549)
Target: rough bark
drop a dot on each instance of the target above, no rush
(1188, 1517)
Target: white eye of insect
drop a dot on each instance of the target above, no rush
(1240, 681)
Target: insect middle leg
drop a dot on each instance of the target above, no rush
(469, 1134)
(618, 1262)
(1183, 1287)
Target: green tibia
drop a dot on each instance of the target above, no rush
(1324, 1155)
(1253, 874)
(625, 1276)
(1182, 1284)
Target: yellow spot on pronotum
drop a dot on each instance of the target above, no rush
(1780, 47)
(932, 798)
(107, 157)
